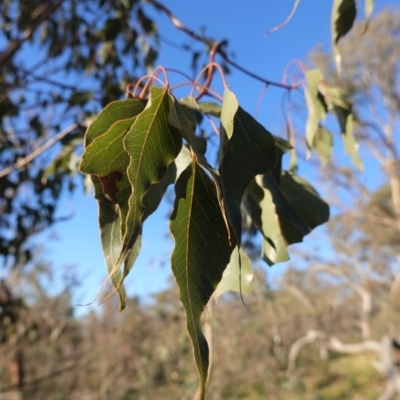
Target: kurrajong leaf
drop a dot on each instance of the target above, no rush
(202, 252)
(106, 160)
(247, 149)
(152, 145)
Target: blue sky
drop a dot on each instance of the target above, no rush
(78, 243)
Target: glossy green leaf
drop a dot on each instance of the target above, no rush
(113, 112)
(247, 150)
(152, 145)
(237, 276)
(202, 252)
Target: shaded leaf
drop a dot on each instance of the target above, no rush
(346, 120)
(156, 191)
(237, 276)
(263, 213)
(198, 260)
(211, 108)
(110, 233)
(284, 213)
(247, 150)
(343, 16)
(181, 118)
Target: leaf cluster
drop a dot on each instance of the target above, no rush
(135, 149)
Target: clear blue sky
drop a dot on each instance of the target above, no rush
(245, 26)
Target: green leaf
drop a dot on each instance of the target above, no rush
(156, 191)
(201, 254)
(346, 120)
(107, 161)
(237, 276)
(181, 118)
(113, 112)
(247, 150)
(152, 144)
(262, 210)
(211, 108)
(343, 16)
(315, 105)
(110, 233)
(323, 144)
(106, 153)
(284, 212)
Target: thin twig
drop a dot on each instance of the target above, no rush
(286, 21)
(39, 150)
(178, 24)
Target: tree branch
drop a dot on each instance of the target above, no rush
(39, 150)
(209, 42)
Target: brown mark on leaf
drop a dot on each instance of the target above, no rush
(109, 184)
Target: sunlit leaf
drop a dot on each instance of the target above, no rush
(152, 144)
(202, 252)
(247, 149)
(113, 112)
